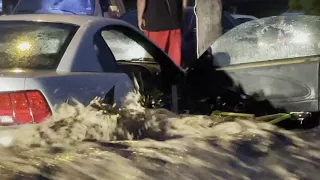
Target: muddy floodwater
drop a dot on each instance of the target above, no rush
(97, 142)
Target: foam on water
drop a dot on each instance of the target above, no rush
(99, 142)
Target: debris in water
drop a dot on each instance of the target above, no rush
(102, 142)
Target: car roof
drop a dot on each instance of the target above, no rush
(68, 19)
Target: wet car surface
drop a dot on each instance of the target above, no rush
(272, 38)
(276, 56)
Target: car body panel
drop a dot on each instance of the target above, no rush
(8, 83)
(280, 83)
(60, 87)
(285, 70)
(83, 87)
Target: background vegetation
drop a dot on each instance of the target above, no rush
(310, 7)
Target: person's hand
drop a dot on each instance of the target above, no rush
(141, 24)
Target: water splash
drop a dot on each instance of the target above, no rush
(101, 142)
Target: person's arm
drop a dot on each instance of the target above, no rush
(141, 6)
(184, 7)
(185, 4)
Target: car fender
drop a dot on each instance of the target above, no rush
(59, 88)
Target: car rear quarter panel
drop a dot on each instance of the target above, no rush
(11, 84)
(83, 87)
(294, 87)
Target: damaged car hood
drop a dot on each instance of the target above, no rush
(267, 39)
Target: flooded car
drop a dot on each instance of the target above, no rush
(277, 57)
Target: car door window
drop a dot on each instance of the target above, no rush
(104, 55)
(125, 48)
(146, 64)
(130, 47)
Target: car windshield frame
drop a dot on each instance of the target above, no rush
(71, 31)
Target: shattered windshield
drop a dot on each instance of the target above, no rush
(270, 38)
(77, 7)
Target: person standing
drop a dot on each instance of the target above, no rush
(161, 21)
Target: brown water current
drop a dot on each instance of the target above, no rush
(103, 143)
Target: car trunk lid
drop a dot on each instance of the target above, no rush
(11, 81)
(14, 79)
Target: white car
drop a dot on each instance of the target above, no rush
(49, 59)
(241, 18)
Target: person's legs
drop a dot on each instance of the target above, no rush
(174, 46)
(160, 38)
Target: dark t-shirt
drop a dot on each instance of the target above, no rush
(161, 15)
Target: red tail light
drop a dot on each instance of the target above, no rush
(23, 107)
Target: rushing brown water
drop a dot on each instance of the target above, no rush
(98, 142)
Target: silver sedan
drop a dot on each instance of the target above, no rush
(46, 60)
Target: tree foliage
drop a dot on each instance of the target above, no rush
(310, 7)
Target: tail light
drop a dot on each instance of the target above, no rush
(23, 107)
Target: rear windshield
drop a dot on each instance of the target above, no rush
(33, 45)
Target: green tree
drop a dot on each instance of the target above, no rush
(310, 7)
(295, 5)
